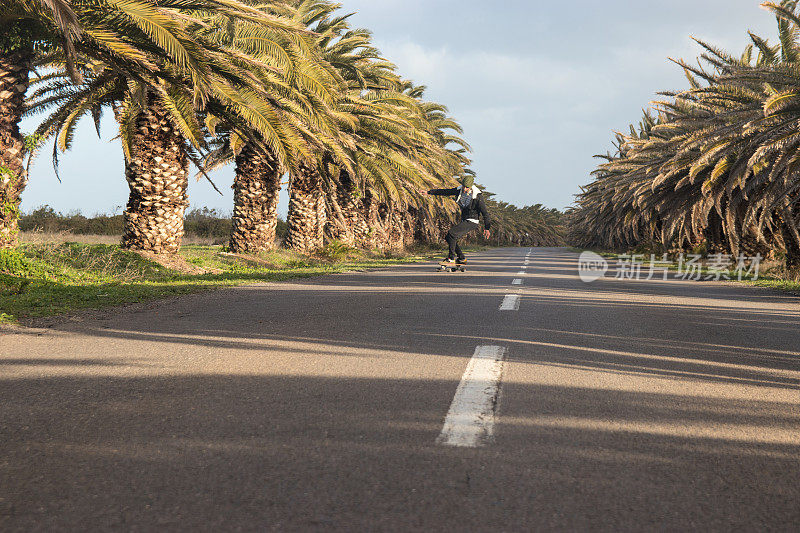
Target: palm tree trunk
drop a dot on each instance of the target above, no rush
(409, 233)
(157, 176)
(15, 68)
(255, 202)
(306, 219)
(396, 227)
(343, 219)
(364, 234)
(367, 228)
(380, 223)
(337, 225)
(791, 238)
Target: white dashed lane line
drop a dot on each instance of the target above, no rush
(470, 420)
(510, 303)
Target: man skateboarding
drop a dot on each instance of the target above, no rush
(470, 200)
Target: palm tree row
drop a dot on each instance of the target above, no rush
(154, 65)
(533, 225)
(285, 88)
(715, 164)
(67, 32)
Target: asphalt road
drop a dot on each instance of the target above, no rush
(317, 405)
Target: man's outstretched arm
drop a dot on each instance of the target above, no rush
(444, 192)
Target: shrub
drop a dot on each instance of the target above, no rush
(12, 262)
(336, 251)
(46, 219)
(282, 229)
(207, 222)
(43, 218)
(202, 222)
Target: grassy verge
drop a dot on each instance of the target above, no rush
(772, 276)
(45, 279)
(776, 283)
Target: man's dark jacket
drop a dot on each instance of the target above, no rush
(472, 211)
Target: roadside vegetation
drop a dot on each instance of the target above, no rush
(533, 225)
(287, 92)
(712, 168)
(44, 224)
(772, 273)
(39, 280)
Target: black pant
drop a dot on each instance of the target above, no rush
(455, 233)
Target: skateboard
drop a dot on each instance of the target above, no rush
(444, 267)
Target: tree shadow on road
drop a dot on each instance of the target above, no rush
(214, 452)
(214, 437)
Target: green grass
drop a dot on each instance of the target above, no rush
(38, 280)
(776, 283)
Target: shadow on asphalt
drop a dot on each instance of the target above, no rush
(557, 270)
(726, 343)
(606, 353)
(209, 452)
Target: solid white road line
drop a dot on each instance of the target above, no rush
(517, 282)
(470, 420)
(510, 303)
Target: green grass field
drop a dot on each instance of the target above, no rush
(45, 279)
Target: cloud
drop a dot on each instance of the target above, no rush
(515, 74)
(535, 120)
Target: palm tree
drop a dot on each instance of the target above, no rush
(259, 116)
(358, 197)
(255, 199)
(122, 34)
(23, 23)
(396, 149)
(307, 215)
(304, 99)
(165, 113)
(718, 164)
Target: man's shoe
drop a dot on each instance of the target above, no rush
(448, 261)
(461, 261)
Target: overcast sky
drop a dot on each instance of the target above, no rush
(538, 86)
